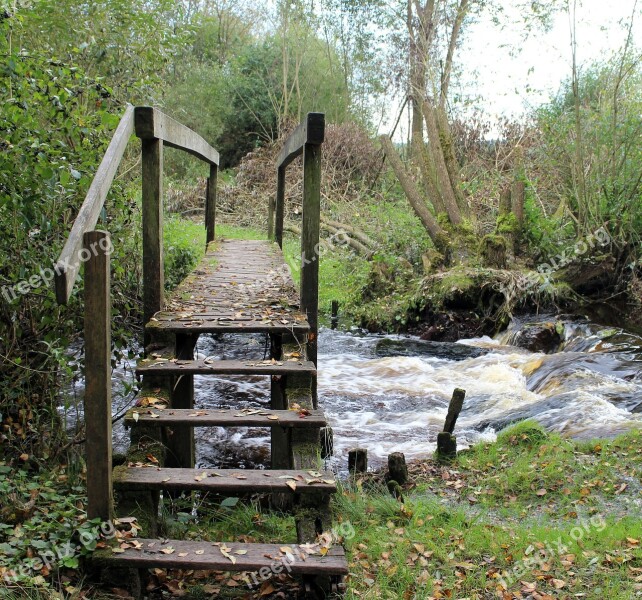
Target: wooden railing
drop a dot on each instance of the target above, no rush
(93, 248)
(306, 140)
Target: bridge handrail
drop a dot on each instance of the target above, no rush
(68, 264)
(155, 129)
(306, 140)
(310, 131)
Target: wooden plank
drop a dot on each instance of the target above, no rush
(188, 555)
(309, 131)
(97, 401)
(210, 205)
(68, 264)
(204, 366)
(153, 274)
(224, 481)
(226, 417)
(229, 327)
(151, 124)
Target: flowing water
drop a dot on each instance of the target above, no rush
(592, 386)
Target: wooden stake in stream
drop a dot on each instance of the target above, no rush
(357, 461)
(397, 468)
(334, 318)
(446, 441)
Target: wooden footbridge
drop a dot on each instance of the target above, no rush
(240, 287)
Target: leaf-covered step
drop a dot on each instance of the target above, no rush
(226, 417)
(302, 559)
(223, 481)
(208, 366)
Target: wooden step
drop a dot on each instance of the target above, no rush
(206, 366)
(307, 559)
(226, 417)
(211, 323)
(224, 481)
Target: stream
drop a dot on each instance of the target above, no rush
(591, 387)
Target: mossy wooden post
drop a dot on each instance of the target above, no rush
(97, 245)
(357, 460)
(397, 468)
(210, 205)
(446, 441)
(303, 448)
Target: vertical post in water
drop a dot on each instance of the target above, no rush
(210, 205)
(97, 403)
(280, 205)
(153, 277)
(334, 314)
(310, 227)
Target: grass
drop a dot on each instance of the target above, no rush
(183, 247)
(532, 515)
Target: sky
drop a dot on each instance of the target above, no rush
(545, 59)
(510, 83)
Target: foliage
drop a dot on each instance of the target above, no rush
(42, 517)
(129, 45)
(592, 145)
(184, 246)
(55, 123)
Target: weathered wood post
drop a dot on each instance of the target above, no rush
(315, 129)
(270, 222)
(334, 314)
(446, 441)
(97, 402)
(357, 460)
(210, 204)
(327, 442)
(280, 204)
(152, 199)
(397, 468)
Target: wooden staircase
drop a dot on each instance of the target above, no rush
(241, 287)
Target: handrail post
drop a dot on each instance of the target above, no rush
(310, 231)
(280, 205)
(210, 205)
(153, 276)
(97, 401)
(270, 223)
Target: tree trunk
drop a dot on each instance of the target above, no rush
(437, 154)
(436, 233)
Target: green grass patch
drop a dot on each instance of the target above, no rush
(183, 247)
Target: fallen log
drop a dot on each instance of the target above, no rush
(354, 244)
(355, 233)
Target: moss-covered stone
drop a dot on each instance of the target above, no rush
(493, 250)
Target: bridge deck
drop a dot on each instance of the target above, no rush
(240, 285)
